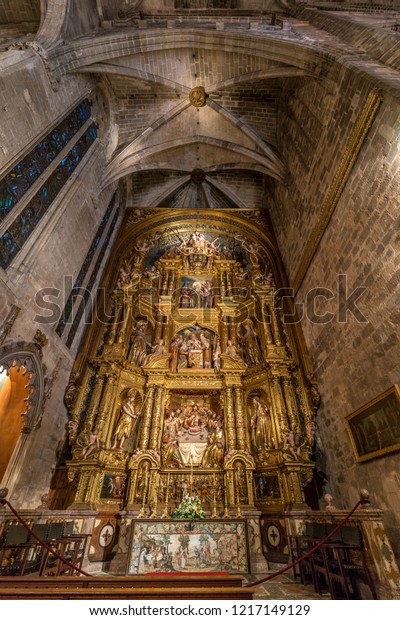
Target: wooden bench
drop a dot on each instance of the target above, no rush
(338, 565)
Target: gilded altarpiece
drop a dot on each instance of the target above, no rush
(193, 385)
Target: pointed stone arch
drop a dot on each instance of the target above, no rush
(25, 357)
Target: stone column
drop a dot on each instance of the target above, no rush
(156, 426)
(240, 419)
(230, 419)
(148, 410)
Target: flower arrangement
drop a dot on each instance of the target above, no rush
(189, 508)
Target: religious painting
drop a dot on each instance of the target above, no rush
(113, 486)
(188, 547)
(374, 428)
(267, 487)
(193, 433)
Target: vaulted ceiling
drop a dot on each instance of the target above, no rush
(175, 152)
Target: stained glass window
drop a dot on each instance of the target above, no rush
(84, 269)
(17, 182)
(90, 284)
(12, 241)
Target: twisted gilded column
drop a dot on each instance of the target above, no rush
(275, 326)
(147, 415)
(267, 325)
(278, 402)
(105, 408)
(156, 426)
(94, 401)
(291, 402)
(230, 420)
(123, 321)
(240, 421)
(115, 320)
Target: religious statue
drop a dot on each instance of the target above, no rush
(214, 453)
(261, 426)
(126, 276)
(72, 428)
(232, 351)
(174, 355)
(171, 455)
(313, 392)
(126, 423)
(94, 444)
(250, 344)
(156, 349)
(71, 391)
(290, 448)
(141, 248)
(217, 355)
(139, 348)
(206, 347)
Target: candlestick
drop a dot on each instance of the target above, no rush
(238, 509)
(214, 512)
(155, 500)
(226, 514)
(142, 512)
(165, 514)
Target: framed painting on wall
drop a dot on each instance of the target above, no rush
(374, 428)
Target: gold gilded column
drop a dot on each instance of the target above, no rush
(267, 325)
(156, 426)
(145, 434)
(105, 405)
(291, 402)
(279, 406)
(123, 321)
(275, 326)
(230, 419)
(240, 422)
(94, 401)
(116, 318)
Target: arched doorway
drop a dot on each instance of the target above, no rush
(14, 406)
(22, 396)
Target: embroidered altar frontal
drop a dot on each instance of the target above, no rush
(183, 546)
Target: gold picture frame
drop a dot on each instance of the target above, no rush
(374, 428)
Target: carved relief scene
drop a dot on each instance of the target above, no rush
(193, 431)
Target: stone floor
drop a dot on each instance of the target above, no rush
(284, 588)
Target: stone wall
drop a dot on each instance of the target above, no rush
(314, 129)
(56, 248)
(354, 358)
(17, 11)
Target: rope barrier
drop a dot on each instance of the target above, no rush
(310, 551)
(4, 502)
